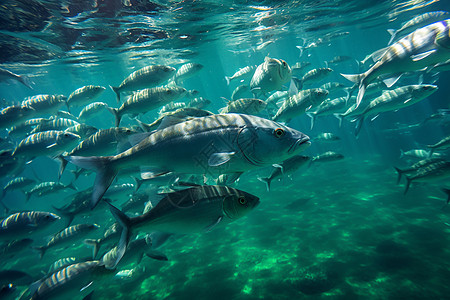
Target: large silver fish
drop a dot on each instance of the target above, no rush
(217, 144)
(186, 71)
(45, 105)
(270, 76)
(144, 78)
(193, 210)
(424, 47)
(84, 95)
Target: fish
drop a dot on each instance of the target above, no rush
(146, 100)
(91, 110)
(240, 91)
(9, 164)
(250, 106)
(326, 108)
(415, 153)
(327, 137)
(61, 264)
(241, 74)
(73, 277)
(313, 76)
(174, 117)
(299, 68)
(65, 236)
(422, 48)
(23, 129)
(195, 209)
(144, 78)
(338, 59)
(420, 164)
(300, 103)
(277, 96)
(15, 247)
(45, 105)
(83, 130)
(327, 157)
(228, 143)
(84, 95)
(16, 184)
(285, 168)
(271, 75)
(48, 187)
(392, 100)
(171, 107)
(436, 171)
(48, 143)
(64, 114)
(415, 23)
(110, 234)
(15, 115)
(6, 75)
(441, 145)
(54, 124)
(187, 71)
(23, 223)
(199, 103)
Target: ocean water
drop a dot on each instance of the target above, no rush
(332, 230)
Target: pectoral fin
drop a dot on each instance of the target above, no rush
(217, 159)
(210, 227)
(423, 55)
(52, 145)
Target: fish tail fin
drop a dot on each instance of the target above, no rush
(400, 173)
(26, 81)
(358, 79)
(267, 181)
(117, 92)
(125, 222)
(408, 184)
(105, 170)
(62, 167)
(95, 246)
(312, 115)
(116, 114)
(41, 250)
(27, 196)
(402, 153)
(301, 48)
(340, 117)
(393, 33)
(447, 191)
(228, 80)
(138, 183)
(359, 122)
(69, 216)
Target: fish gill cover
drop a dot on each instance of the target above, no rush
(224, 149)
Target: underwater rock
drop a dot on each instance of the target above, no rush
(315, 280)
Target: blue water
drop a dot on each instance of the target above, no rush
(334, 230)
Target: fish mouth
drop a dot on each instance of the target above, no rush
(300, 144)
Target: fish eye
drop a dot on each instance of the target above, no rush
(66, 134)
(279, 132)
(242, 200)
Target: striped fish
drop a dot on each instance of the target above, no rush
(47, 143)
(417, 22)
(45, 105)
(240, 91)
(441, 145)
(186, 71)
(84, 95)
(91, 110)
(25, 223)
(14, 115)
(270, 76)
(326, 108)
(65, 236)
(144, 78)
(146, 100)
(313, 76)
(433, 172)
(110, 235)
(24, 128)
(48, 187)
(17, 183)
(413, 168)
(299, 103)
(75, 277)
(250, 106)
(241, 74)
(83, 130)
(217, 144)
(54, 124)
(424, 47)
(61, 264)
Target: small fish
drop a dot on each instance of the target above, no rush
(146, 100)
(16, 184)
(326, 108)
(65, 236)
(437, 171)
(22, 129)
(299, 68)
(110, 234)
(250, 106)
(54, 124)
(241, 74)
(84, 95)
(23, 223)
(270, 76)
(61, 264)
(420, 164)
(91, 110)
(14, 115)
(170, 107)
(300, 103)
(83, 130)
(327, 137)
(313, 76)
(327, 157)
(286, 168)
(338, 59)
(441, 145)
(199, 103)
(240, 91)
(396, 99)
(6, 75)
(415, 153)
(422, 48)
(187, 71)
(45, 105)
(144, 78)
(192, 210)
(46, 188)
(15, 247)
